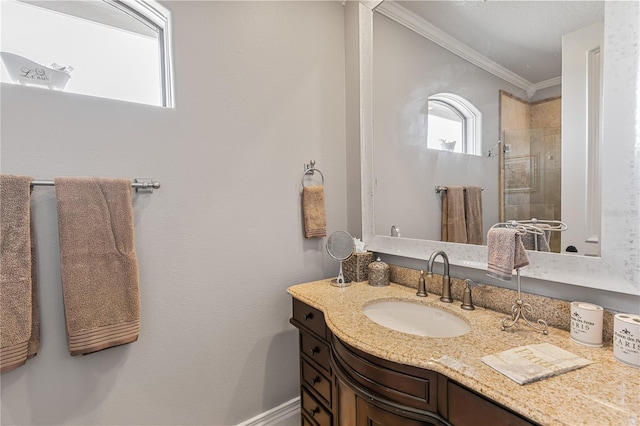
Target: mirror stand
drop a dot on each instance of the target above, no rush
(340, 246)
(339, 281)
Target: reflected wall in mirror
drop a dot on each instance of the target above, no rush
(406, 170)
(481, 52)
(399, 173)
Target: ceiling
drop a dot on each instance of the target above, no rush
(525, 37)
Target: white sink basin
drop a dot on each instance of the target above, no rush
(413, 318)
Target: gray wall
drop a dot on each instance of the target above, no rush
(259, 92)
(406, 171)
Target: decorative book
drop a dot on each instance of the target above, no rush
(529, 363)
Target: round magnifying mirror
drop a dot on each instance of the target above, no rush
(340, 246)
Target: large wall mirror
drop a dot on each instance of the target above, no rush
(424, 48)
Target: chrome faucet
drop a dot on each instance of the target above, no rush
(446, 280)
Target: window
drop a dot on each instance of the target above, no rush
(113, 49)
(453, 124)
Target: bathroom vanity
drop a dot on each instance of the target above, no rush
(356, 372)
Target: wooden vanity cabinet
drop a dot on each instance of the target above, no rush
(343, 386)
(383, 392)
(316, 377)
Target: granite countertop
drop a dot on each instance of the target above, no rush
(606, 392)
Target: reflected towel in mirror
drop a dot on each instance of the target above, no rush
(539, 242)
(454, 226)
(473, 214)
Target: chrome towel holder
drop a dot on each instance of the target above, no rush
(142, 185)
(440, 189)
(521, 308)
(310, 169)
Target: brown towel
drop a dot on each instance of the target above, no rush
(505, 253)
(98, 263)
(34, 341)
(315, 224)
(454, 228)
(473, 214)
(19, 319)
(529, 240)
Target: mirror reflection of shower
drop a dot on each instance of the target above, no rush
(532, 170)
(531, 162)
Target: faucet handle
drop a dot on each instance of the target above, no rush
(467, 303)
(422, 289)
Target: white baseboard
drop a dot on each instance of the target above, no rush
(290, 410)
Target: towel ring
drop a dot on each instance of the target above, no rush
(309, 169)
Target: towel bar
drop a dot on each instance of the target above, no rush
(440, 189)
(140, 184)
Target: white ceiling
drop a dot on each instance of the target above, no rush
(522, 36)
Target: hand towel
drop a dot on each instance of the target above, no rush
(505, 253)
(473, 214)
(530, 239)
(98, 263)
(19, 320)
(529, 363)
(454, 227)
(315, 224)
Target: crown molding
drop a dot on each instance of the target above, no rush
(415, 23)
(548, 83)
(371, 4)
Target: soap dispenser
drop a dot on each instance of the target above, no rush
(378, 273)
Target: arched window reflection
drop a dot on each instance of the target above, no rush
(453, 124)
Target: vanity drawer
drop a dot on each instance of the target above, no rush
(315, 350)
(416, 389)
(313, 379)
(304, 316)
(314, 410)
(467, 408)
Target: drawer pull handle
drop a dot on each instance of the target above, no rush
(314, 380)
(307, 316)
(314, 350)
(314, 411)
